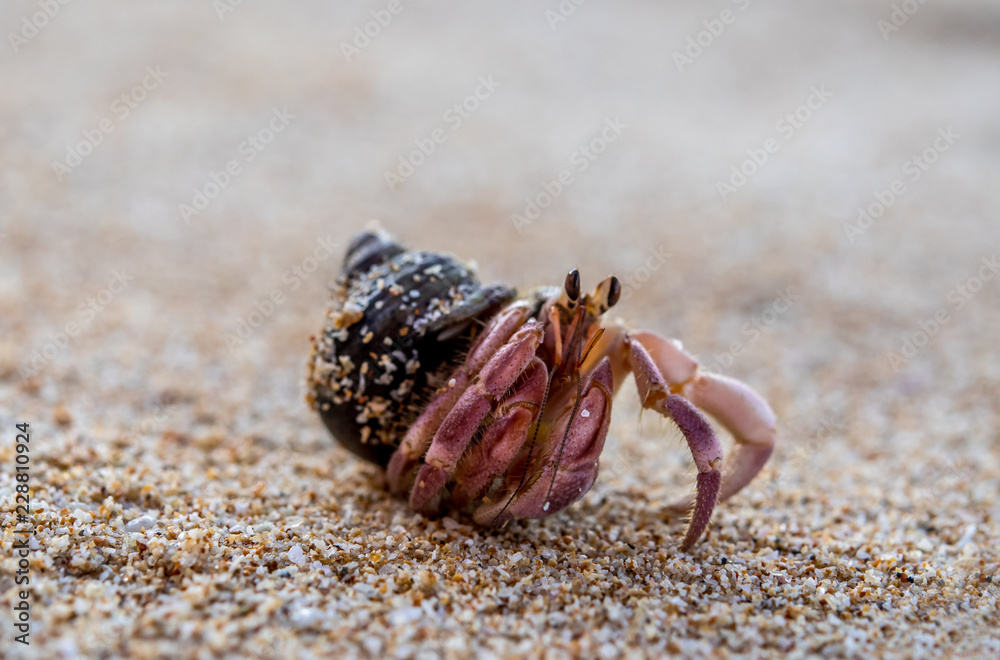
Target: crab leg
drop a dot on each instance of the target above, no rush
(654, 391)
(553, 484)
(741, 410)
(744, 414)
(457, 429)
(502, 440)
(418, 437)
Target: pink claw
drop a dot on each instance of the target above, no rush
(561, 480)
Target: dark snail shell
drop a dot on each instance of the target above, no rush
(399, 323)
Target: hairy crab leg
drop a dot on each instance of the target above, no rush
(418, 437)
(654, 391)
(503, 438)
(737, 407)
(457, 429)
(585, 432)
(744, 414)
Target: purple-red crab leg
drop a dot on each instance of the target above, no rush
(418, 438)
(654, 391)
(740, 410)
(670, 381)
(502, 440)
(478, 400)
(585, 427)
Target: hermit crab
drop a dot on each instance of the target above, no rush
(499, 403)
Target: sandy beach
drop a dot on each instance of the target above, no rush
(803, 193)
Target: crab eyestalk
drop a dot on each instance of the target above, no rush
(605, 296)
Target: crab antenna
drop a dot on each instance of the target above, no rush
(590, 345)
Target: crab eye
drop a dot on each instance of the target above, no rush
(614, 292)
(573, 284)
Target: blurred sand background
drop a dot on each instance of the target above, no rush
(187, 502)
